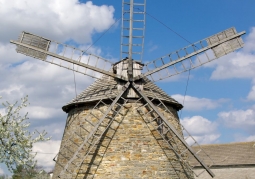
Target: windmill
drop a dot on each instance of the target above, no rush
(123, 125)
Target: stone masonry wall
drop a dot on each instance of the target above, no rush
(129, 149)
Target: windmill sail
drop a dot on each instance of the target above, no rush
(133, 29)
(194, 55)
(64, 56)
(149, 111)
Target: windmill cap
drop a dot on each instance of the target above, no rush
(99, 90)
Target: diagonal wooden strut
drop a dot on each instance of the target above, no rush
(172, 128)
(65, 171)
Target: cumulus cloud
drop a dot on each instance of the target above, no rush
(235, 65)
(46, 151)
(250, 138)
(251, 95)
(38, 112)
(48, 87)
(198, 104)
(241, 119)
(153, 48)
(39, 79)
(203, 130)
(240, 137)
(58, 19)
(1, 171)
(238, 64)
(8, 54)
(2, 111)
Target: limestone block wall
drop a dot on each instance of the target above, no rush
(130, 148)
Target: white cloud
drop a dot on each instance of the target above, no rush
(8, 54)
(59, 19)
(38, 112)
(251, 95)
(203, 130)
(38, 80)
(2, 111)
(49, 87)
(238, 64)
(11, 89)
(197, 104)
(1, 171)
(250, 138)
(198, 125)
(153, 48)
(46, 151)
(240, 137)
(249, 41)
(240, 119)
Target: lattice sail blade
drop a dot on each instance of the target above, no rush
(63, 55)
(34, 41)
(226, 47)
(194, 55)
(133, 29)
(156, 121)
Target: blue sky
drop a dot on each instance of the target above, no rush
(195, 20)
(220, 99)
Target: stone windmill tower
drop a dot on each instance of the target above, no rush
(123, 125)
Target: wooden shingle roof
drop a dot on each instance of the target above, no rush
(231, 154)
(102, 90)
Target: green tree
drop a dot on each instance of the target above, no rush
(22, 172)
(4, 177)
(33, 173)
(15, 140)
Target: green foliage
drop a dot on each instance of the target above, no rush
(22, 172)
(15, 140)
(4, 177)
(36, 172)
